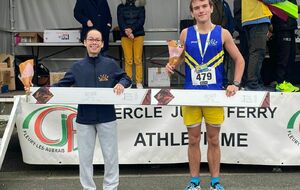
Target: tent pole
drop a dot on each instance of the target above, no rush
(178, 18)
(12, 24)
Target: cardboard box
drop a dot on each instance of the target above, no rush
(7, 76)
(56, 76)
(158, 77)
(4, 76)
(61, 36)
(12, 84)
(3, 65)
(8, 59)
(30, 37)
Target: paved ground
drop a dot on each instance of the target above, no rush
(15, 175)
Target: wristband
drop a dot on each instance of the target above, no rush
(236, 83)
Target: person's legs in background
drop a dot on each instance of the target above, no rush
(127, 45)
(285, 58)
(243, 47)
(292, 57)
(283, 46)
(138, 44)
(105, 37)
(256, 37)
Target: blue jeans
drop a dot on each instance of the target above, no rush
(256, 38)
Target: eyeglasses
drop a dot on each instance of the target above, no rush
(93, 40)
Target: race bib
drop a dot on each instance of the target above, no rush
(204, 77)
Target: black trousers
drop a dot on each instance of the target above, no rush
(283, 54)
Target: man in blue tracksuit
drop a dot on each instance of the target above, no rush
(97, 71)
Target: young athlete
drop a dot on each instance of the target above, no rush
(203, 58)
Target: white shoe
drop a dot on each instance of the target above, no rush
(139, 86)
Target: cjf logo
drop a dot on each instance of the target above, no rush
(50, 129)
(294, 128)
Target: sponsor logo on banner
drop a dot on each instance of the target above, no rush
(38, 129)
(293, 128)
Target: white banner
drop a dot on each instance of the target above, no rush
(155, 134)
(171, 97)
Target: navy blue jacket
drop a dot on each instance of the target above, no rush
(99, 13)
(130, 16)
(87, 73)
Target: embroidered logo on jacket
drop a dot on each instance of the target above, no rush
(103, 77)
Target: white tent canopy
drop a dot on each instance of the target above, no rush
(37, 15)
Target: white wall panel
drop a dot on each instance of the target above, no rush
(38, 15)
(5, 42)
(4, 15)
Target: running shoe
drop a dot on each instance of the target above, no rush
(192, 186)
(216, 186)
(286, 87)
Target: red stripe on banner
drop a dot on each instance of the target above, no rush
(147, 98)
(266, 101)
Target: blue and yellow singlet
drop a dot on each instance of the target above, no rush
(204, 71)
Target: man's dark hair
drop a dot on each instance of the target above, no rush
(93, 29)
